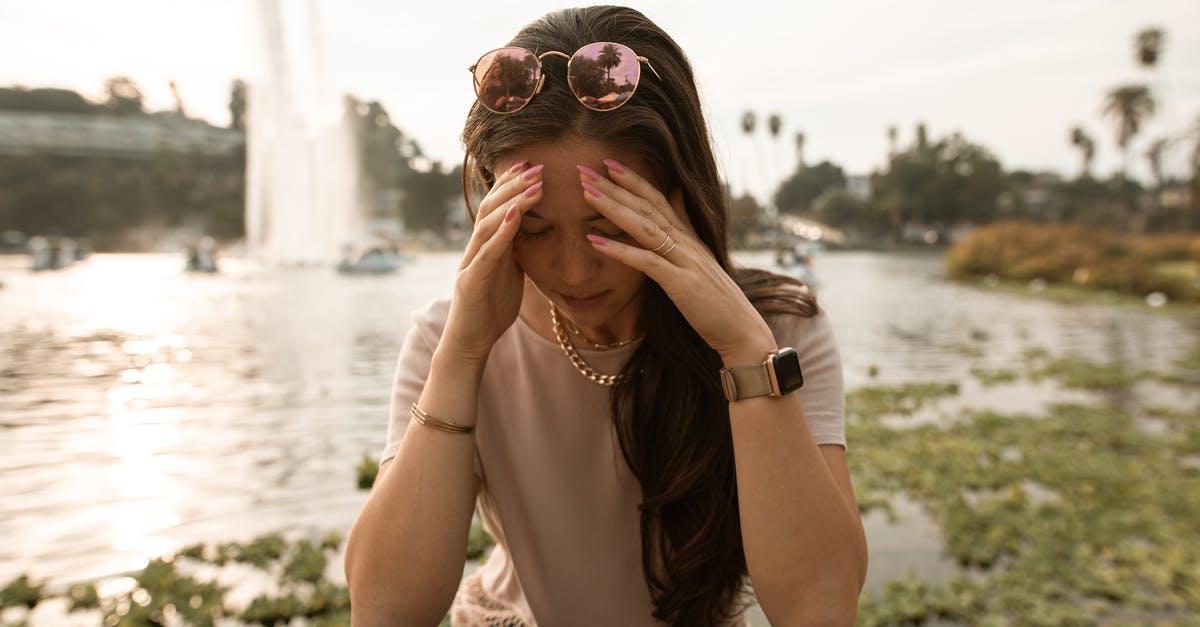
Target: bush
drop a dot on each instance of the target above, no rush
(1088, 257)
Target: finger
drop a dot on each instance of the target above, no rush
(680, 209)
(653, 265)
(645, 231)
(513, 182)
(643, 196)
(487, 228)
(499, 246)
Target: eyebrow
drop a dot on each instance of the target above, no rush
(590, 218)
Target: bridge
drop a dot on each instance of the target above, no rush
(140, 137)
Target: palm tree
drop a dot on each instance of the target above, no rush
(1087, 148)
(1129, 106)
(774, 126)
(609, 58)
(799, 150)
(774, 123)
(1154, 159)
(749, 120)
(1147, 45)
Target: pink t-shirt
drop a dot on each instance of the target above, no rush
(556, 493)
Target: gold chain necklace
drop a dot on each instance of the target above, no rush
(596, 345)
(582, 366)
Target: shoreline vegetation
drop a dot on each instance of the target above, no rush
(1079, 263)
(1079, 514)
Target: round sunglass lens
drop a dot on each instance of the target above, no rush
(604, 75)
(505, 79)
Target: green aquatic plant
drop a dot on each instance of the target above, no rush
(872, 402)
(478, 541)
(367, 470)
(994, 377)
(163, 596)
(306, 562)
(331, 541)
(21, 591)
(1077, 515)
(263, 550)
(1074, 372)
(273, 610)
(83, 597)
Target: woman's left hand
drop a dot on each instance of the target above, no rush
(669, 252)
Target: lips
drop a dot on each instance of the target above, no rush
(585, 301)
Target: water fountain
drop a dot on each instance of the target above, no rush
(303, 197)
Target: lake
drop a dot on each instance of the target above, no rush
(143, 409)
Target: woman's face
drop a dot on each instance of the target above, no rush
(592, 290)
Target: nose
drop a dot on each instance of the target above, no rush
(578, 263)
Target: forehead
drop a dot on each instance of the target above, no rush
(562, 195)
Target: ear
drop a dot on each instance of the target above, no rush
(676, 201)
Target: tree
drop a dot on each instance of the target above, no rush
(797, 193)
(1154, 159)
(893, 136)
(749, 121)
(609, 58)
(1147, 46)
(1129, 106)
(123, 96)
(774, 124)
(428, 195)
(44, 100)
(1087, 149)
(237, 105)
(799, 149)
(946, 182)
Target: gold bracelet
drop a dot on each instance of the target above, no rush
(434, 422)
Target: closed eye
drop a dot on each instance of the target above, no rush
(523, 234)
(618, 234)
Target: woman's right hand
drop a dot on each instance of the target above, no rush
(488, 288)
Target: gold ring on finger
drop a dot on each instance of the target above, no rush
(667, 251)
(668, 228)
(666, 239)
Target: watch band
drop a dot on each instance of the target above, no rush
(747, 381)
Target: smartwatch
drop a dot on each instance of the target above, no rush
(778, 375)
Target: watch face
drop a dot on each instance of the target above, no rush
(787, 370)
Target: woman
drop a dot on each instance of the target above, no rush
(578, 381)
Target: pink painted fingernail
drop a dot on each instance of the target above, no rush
(591, 189)
(533, 189)
(512, 213)
(518, 165)
(533, 172)
(596, 239)
(588, 173)
(615, 166)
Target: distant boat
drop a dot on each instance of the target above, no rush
(796, 260)
(203, 257)
(54, 254)
(370, 260)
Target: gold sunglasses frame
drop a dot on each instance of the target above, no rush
(542, 75)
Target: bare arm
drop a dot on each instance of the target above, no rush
(803, 537)
(405, 553)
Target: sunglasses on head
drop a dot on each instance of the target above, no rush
(602, 75)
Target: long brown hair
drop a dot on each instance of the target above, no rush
(670, 415)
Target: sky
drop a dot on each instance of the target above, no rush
(1013, 76)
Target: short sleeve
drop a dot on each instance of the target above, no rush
(823, 394)
(412, 369)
